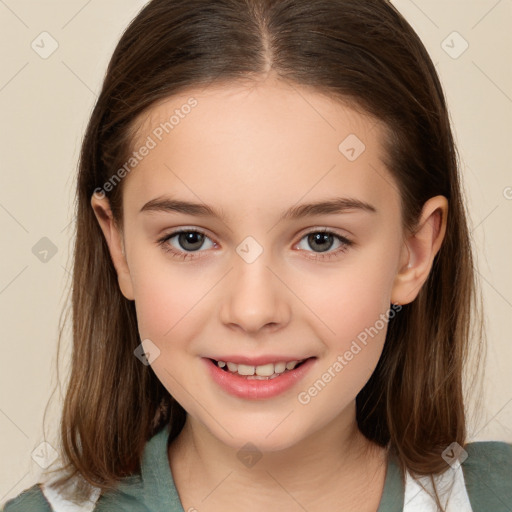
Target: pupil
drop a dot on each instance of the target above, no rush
(190, 238)
(316, 238)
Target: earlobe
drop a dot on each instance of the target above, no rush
(114, 239)
(419, 251)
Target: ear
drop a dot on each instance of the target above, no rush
(419, 250)
(113, 236)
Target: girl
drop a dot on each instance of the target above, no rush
(273, 279)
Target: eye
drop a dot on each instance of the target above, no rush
(323, 240)
(187, 240)
(191, 240)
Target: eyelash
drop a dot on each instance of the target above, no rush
(346, 243)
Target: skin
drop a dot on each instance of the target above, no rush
(253, 151)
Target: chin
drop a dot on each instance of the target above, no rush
(257, 436)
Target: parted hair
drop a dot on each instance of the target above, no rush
(362, 53)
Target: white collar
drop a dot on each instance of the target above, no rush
(451, 489)
(450, 486)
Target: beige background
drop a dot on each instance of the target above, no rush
(45, 104)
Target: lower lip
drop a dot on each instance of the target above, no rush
(253, 389)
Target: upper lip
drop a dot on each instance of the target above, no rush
(258, 361)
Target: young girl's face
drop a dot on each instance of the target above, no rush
(261, 284)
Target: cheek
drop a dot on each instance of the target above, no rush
(359, 314)
(168, 303)
(167, 297)
(352, 298)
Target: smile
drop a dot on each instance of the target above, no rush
(258, 382)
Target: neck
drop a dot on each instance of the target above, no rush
(337, 458)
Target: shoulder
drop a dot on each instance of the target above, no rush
(488, 475)
(485, 453)
(43, 498)
(481, 482)
(30, 499)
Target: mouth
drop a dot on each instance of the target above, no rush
(266, 371)
(258, 382)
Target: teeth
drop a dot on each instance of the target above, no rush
(244, 369)
(264, 370)
(232, 367)
(280, 367)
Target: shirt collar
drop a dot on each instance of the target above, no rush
(394, 487)
(159, 491)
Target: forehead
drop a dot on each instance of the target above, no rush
(245, 142)
(273, 101)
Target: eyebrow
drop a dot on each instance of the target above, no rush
(327, 207)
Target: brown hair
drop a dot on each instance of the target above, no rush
(363, 53)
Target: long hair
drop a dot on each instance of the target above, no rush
(363, 53)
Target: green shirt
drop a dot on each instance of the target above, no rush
(487, 475)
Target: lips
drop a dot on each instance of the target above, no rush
(255, 387)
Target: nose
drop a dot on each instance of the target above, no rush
(254, 298)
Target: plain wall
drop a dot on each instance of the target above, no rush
(45, 104)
